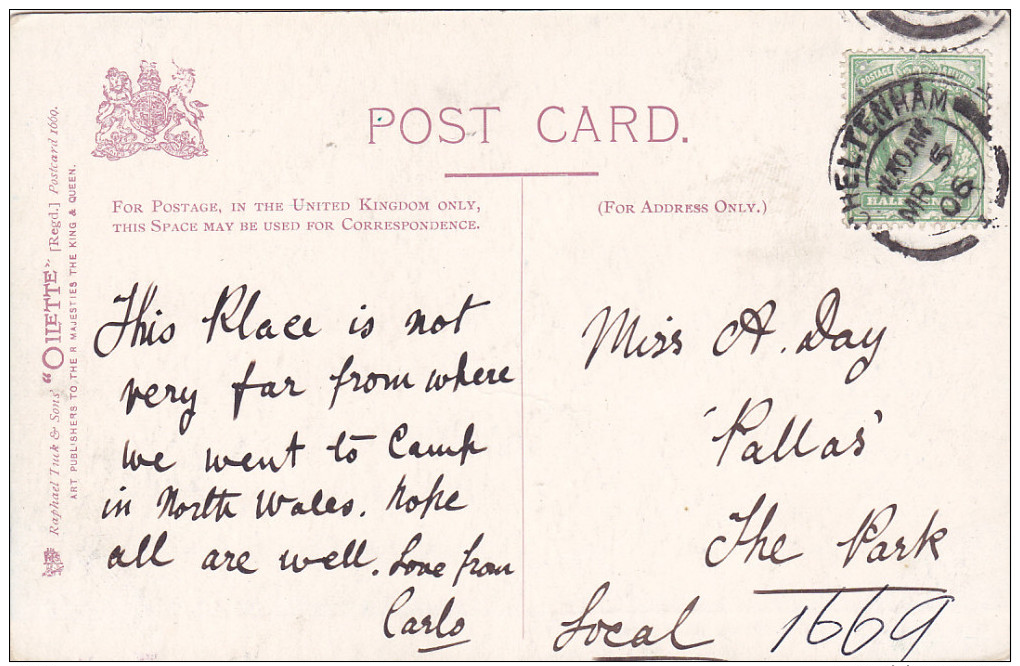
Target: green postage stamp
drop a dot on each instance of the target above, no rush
(913, 149)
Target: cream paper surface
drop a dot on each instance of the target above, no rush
(714, 414)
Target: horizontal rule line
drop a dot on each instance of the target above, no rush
(520, 174)
(657, 658)
(833, 590)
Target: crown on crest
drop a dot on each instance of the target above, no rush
(149, 78)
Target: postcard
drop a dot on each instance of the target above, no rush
(510, 335)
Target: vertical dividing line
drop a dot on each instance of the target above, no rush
(522, 409)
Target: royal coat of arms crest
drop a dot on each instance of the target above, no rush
(132, 120)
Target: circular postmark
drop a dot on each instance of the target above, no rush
(932, 29)
(911, 161)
